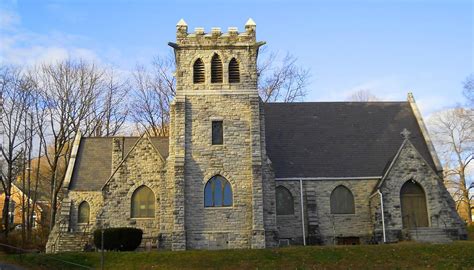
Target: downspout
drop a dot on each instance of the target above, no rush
(302, 212)
(383, 215)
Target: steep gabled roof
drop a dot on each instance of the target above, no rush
(93, 165)
(338, 139)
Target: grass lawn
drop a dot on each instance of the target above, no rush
(459, 255)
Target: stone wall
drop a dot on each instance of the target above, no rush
(95, 201)
(142, 166)
(329, 225)
(205, 226)
(268, 180)
(290, 226)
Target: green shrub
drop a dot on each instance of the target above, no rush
(123, 239)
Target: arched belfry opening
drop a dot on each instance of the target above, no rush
(198, 71)
(234, 72)
(216, 69)
(413, 202)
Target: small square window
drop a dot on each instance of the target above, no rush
(217, 132)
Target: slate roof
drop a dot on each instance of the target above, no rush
(338, 139)
(310, 139)
(93, 165)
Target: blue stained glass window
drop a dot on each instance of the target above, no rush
(227, 195)
(217, 192)
(208, 196)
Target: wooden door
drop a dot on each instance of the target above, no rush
(414, 211)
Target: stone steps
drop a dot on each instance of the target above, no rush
(71, 242)
(429, 235)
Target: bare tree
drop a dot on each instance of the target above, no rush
(469, 89)
(281, 80)
(362, 95)
(15, 90)
(110, 108)
(453, 133)
(152, 97)
(68, 91)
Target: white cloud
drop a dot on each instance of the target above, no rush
(20, 46)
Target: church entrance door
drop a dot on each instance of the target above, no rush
(414, 211)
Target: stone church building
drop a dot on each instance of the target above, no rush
(238, 173)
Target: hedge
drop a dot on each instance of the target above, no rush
(122, 239)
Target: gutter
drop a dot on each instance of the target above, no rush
(383, 214)
(327, 178)
(302, 212)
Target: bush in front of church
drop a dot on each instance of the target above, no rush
(122, 239)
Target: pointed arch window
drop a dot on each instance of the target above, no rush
(143, 203)
(83, 212)
(284, 201)
(217, 192)
(216, 69)
(234, 72)
(198, 71)
(342, 201)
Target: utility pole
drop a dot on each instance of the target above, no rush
(102, 254)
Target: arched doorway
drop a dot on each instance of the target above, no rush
(413, 200)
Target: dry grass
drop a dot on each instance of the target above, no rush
(458, 255)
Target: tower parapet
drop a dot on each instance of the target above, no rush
(215, 36)
(216, 60)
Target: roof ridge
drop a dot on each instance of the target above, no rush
(134, 137)
(339, 102)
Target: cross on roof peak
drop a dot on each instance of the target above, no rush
(405, 134)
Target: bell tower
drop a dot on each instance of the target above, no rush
(216, 140)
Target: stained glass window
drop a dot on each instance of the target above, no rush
(284, 201)
(342, 201)
(217, 132)
(217, 192)
(83, 212)
(143, 203)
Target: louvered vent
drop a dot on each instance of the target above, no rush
(216, 69)
(198, 71)
(234, 73)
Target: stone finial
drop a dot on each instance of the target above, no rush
(410, 97)
(250, 22)
(182, 23)
(250, 27)
(181, 28)
(405, 134)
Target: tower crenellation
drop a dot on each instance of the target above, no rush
(215, 36)
(198, 52)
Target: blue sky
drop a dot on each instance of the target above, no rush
(387, 47)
